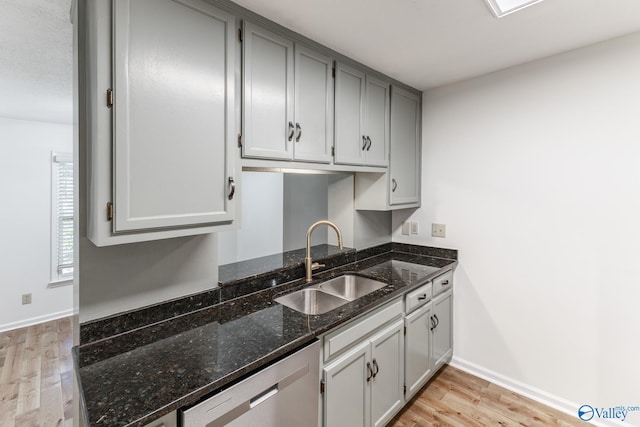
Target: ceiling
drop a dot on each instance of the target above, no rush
(424, 43)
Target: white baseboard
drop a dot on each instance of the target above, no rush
(35, 320)
(534, 393)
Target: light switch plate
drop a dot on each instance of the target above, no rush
(406, 228)
(438, 230)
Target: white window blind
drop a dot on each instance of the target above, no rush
(62, 213)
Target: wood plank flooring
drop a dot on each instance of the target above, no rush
(36, 389)
(36, 374)
(456, 398)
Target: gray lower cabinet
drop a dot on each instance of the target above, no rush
(287, 98)
(418, 364)
(364, 386)
(160, 91)
(442, 329)
(361, 118)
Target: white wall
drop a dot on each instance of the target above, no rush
(25, 224)
(261, 223)
(535, 170)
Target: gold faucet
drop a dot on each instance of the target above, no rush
(309, 266)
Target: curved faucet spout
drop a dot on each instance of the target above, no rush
(310, 266)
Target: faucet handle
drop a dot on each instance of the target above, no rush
(317, 265)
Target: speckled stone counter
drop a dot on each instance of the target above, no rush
(135, 377)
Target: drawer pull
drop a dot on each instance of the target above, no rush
(422, 297)
(433, 323)
(369, 372)
(445, 283)
(375, 365)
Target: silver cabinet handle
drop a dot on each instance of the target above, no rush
(369, 146)
(394, 184)
(299, 129)
(232, 187)
(364, 142)
(291, 131)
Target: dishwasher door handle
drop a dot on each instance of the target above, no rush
(261, 397)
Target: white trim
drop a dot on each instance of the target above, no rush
(498, 11)
(534, 393)
(35, 320)
(58, 283)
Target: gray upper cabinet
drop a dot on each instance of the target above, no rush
(288, 99)
(404, 170)
(169, 123)
(361, 118)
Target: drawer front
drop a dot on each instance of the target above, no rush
(343, 338)
(443, 283)
(418, 297)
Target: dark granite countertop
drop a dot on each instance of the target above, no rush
(135, 377)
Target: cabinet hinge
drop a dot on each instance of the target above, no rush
(321, 386)
(240, 140)
(240, 35)
(405, 330)
(109, 98)
(404, 389)
(333, 151)
(109, 211)
(333, 72)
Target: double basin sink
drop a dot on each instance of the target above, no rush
(329, 295)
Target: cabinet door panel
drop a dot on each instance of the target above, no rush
(386, 386)
(347, 391)
(405, 147)
(173, 113)
(349, 114)
(443, 332)
(377, 122)
(267, 93)
(313, 105)
(417, 353)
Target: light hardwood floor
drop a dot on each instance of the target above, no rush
(36, 389)
(456, 398)
(36, 375)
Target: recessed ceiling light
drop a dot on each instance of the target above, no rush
(501, 8)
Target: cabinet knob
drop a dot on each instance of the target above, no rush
(232, 187)
(394, 184)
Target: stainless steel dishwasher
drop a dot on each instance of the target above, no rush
(282, 394)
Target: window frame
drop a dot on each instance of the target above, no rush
(56, 277)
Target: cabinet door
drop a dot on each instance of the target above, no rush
(347, 391)
(387, 350)
(417, 353)
(313, 106)
(349, 115)
(377, 122)
(405, 147)
(173, 114)
(267, 94)
(443, 332)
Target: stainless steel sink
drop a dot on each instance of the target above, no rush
(311, 301)
(329, 295)
(351, 287)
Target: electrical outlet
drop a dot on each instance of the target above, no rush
(438, 230)
(406, 228)
(414, 227)
(26, 299)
